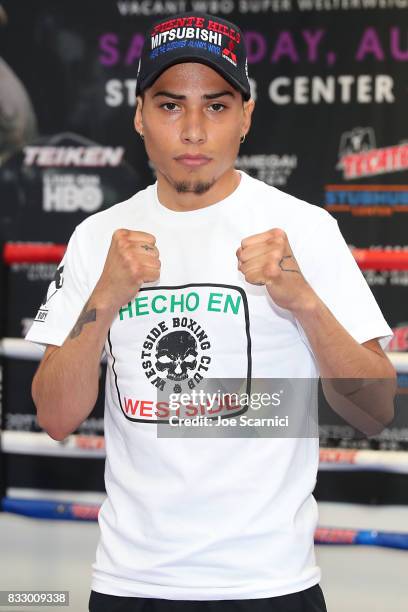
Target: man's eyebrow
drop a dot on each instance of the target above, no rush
(218, 95)
(211, 96)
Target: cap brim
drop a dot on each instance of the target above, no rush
(191, 57)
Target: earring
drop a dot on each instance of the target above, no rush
(242, 138)
(141, 135)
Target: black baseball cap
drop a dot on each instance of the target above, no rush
(194, 37)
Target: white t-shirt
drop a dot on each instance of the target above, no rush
(206, 518)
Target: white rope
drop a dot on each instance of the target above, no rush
(18, 348)
(399, 361)
(80, 497)
(352, 459)
(29, 443)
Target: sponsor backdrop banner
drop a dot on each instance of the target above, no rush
(329, 80)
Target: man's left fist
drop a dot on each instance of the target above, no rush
(267, 259)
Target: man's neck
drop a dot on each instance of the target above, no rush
(174, 200)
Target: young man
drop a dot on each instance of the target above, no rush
(207, 273)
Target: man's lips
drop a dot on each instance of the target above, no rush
(193, 160)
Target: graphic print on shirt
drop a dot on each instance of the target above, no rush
(180, 339)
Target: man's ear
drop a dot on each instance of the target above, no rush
(249, 106)
(138, 120)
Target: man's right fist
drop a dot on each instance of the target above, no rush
(133, 259)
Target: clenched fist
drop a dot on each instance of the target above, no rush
(133, 259)
(267, 259)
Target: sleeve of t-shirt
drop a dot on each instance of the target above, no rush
(65, 298)
(330, 268)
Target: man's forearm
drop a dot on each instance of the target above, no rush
(337, 353)
(65, 387)
(358, 382)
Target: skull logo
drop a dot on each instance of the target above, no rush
(176, 354)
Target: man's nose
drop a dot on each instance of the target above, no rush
(193, 130)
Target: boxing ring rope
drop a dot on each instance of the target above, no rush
(379, 259)
(93, 446)
(33, 252)
(41, 252)
(49, 509)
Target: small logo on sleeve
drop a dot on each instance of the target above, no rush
(53, 288)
